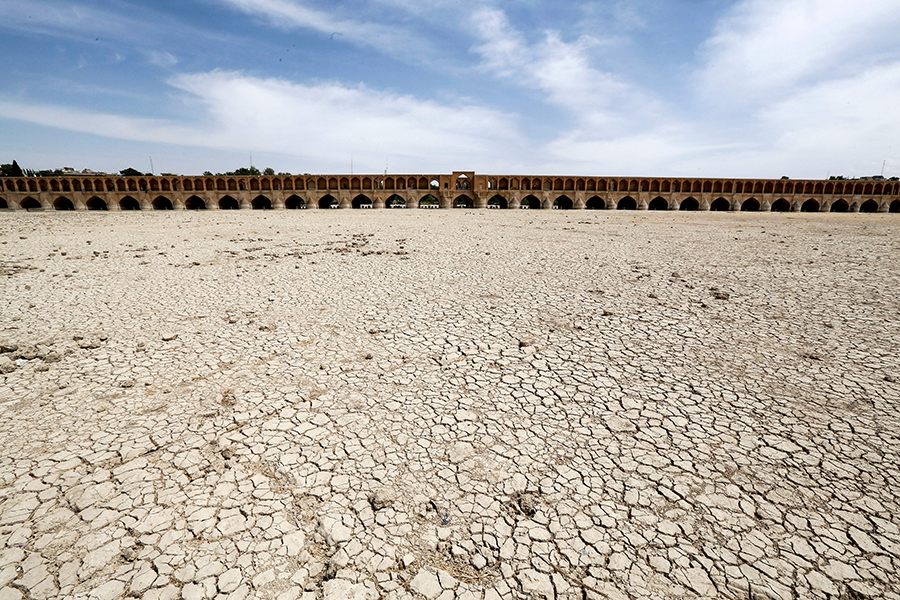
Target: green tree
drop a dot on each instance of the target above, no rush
(268, 171)
(13, 170)
(130, 172)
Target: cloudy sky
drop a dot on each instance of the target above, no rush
(747, 88)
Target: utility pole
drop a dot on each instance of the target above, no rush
(152, 171)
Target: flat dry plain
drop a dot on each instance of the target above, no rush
(449, 404)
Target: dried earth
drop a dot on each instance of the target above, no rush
(473, 405)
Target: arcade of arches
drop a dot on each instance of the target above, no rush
(460, 189)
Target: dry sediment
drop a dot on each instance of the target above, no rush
(468, 405)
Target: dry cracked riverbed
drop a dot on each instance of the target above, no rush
(470, 405)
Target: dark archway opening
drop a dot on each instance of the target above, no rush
(810, 206)
(498, 201)
(361, 201)
(96, 203)
(428, 201)
(228, 203)
(463, 202)
(840, 206)
(595, 203)
(750, 205)
(3, 204)
(626, 203)
(720, 205)
(530, 203)
(129, 203)
(895, 207)
(395, 201)
(658, 204)
(64, 204)
(328, 201)
(869, 206)
(194, 203)
(162, 204)
(781, 205)
(563, 203)
(689, 204)
(261, 203)
(30, 204)
(294, 203)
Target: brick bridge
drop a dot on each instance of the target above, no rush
(463, 189)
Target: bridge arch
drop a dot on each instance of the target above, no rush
(63, 203)
(689, 204)
(162, 203)
(750, 205)
(261, 203)
(498, 201)
(840, 205)
(3, 204)
(781, 205)
(30, 203)
(228, 203)
(894, 207)
(658, 203)
(563, 203)
(429, 201)
(720, 205)
(810, 205)
(531, 202)
(96, 203)
(329, 201)
(294, 202)
(463, 201)
(361, 201)
(129, 203)
(626, 203)
(395, 201)
(595, 203)
(194, 203)
(869, 206)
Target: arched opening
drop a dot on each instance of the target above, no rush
(720, 204)
(329, 201)
(895, 207)
(840, 206)
(689, 204)
(428, 201)
(228, 203)
(395, 201)
(261, 203)
(463, 183)
(781, 205)
(361, 201)
(563, 203)
(30, 204)
(294, 203)
(3, 204)
(498, 201)
(65, 204)
(129, 203)
(869, 206)
(750, 205)
(595, 203)
(463, 202)
(194, 203)
(96, 203)
(658, 204)
(810, 206)
(626, 203)
(162, 203)
(531, 202)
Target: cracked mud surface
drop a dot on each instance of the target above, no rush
(405, 404)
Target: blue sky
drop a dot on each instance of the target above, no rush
(748, 88)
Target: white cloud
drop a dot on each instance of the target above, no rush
(319, 124)
(564, 73)
(292, 14)
(161, 58)
(766, 48)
